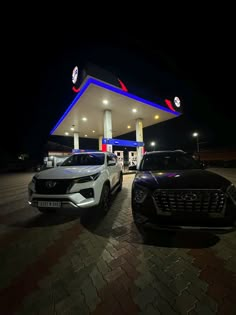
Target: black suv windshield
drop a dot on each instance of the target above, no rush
(168, 161)
(84, 159)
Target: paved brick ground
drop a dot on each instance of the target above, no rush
(59, 264)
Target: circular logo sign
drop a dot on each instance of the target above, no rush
(177, 101)
(75, 75)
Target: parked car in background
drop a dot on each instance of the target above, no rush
(83, 180)
(171, 189)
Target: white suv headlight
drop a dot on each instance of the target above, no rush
(85, 179)
(232, 193)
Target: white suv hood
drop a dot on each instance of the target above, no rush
(67, 172)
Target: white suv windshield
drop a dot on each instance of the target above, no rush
(84, 159)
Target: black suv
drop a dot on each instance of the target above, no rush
(172, 189)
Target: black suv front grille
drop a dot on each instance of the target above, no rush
(52, 187)
(197, 201)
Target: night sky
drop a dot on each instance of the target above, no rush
(194, 62)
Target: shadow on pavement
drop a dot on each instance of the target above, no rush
(156, 237)
(179, 239)
(93, 220)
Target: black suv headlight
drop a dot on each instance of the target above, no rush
(86, 179)
(139, 193)
(231, 191)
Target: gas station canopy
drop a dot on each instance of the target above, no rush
(99, 91)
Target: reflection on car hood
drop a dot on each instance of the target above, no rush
(183, 179)
(67, 172)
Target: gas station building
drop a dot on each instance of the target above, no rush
(104, 109)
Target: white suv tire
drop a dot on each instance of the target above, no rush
(104, 203)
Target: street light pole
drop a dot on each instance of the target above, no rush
(153, 144)
(196, 135)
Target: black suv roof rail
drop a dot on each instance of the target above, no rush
(165, 151)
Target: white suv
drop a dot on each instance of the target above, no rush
(83, 180)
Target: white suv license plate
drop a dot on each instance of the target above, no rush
(49, 204)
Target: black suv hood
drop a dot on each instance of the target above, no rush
(183, 179)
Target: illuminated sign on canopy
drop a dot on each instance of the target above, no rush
(123, 143)
(75, 75)
(177, 101)
(91, 70)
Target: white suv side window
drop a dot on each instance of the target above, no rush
(113, 169)
(112, 158)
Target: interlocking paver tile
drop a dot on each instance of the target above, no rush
(161, 275)
(205, 299)
(164, 307)
(150, 310)
(125, 300)
(225, 253)
(97, 278)
(91, 297)
(197, 288)
(144, 280)
(109, 306)
(167, 293)
(146, 296)
(180, 284)
(185, 302)
(103, 266)
(107, 256)
(73, 304)
(114, 274)
(130, 270)
(40, 301)
(117, 262)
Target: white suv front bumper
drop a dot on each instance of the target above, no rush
(66, 201)
(69, 200)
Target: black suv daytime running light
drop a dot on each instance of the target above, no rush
(232, 193)
(34, 179)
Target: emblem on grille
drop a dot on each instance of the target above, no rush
(50, 184)
(189, 196)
